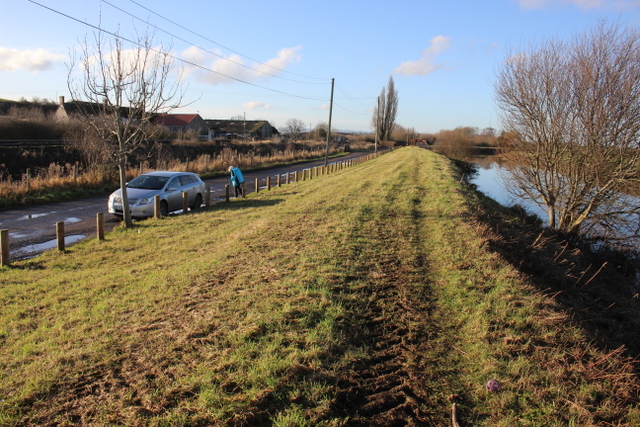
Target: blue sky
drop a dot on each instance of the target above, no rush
(443, 56)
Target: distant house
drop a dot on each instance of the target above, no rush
(47, 107)
(182, 124)
(65, 110)
(240, 129)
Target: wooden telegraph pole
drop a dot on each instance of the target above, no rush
(326, 154)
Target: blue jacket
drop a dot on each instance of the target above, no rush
(236, 177)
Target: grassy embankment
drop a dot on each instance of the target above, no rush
(357, 298)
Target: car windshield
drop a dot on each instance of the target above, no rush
(148, 182)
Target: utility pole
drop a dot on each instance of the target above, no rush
(326, 154)
(375, 150)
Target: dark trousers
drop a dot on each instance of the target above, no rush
(238, 189)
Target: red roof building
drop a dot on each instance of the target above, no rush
(182, 123)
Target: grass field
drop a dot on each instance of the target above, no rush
(368, 297)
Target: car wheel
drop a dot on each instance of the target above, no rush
(197, 202)
(164, 208)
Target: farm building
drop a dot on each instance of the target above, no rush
(182, 124)
(241, 129)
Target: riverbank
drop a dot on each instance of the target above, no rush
(372, 296)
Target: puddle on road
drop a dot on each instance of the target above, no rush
(32, 216)
(32, 250)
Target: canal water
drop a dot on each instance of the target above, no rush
(490, 180)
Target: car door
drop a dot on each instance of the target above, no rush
(174, 194)
(187, 187)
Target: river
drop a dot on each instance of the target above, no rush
(491, 183)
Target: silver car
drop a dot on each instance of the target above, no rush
(168, 185)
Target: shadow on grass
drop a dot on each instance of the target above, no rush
(596, 289)
(237, 204)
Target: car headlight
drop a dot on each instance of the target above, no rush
(116, 199)
(145, 201)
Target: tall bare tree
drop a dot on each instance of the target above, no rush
(120, 90)
(384, 113)
(575, 107)
(295, 127)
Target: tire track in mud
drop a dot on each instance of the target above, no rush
(393, 309)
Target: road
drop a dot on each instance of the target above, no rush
(32, 229)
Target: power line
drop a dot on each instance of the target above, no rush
(354, 100)
(204, 49)
(352, 112)
(169, 55)
(224, 47)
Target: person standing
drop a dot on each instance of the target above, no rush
(237, 179)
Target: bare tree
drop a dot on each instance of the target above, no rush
(575, 108)
(119, 91)
(383, 120)
(295, 127)
(321, 130)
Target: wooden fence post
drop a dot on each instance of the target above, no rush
(244, 190)
(60, 235)
(226, 192)
(268, 183)
(100, 225)
(279, 180)
(295, 176)
(257, 185)
(207, 196)
(286, 178)
(4, 248)
(156, 206)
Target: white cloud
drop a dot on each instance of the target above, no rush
(425, 65)
(581, 4)
(213, 69)
(31, 60)
(257, 105)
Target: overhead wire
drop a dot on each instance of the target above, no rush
(282, 93)
(118, 36)
(207, 50)
(222, 46)
(354, 100)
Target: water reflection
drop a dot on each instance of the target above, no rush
(490, 180)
